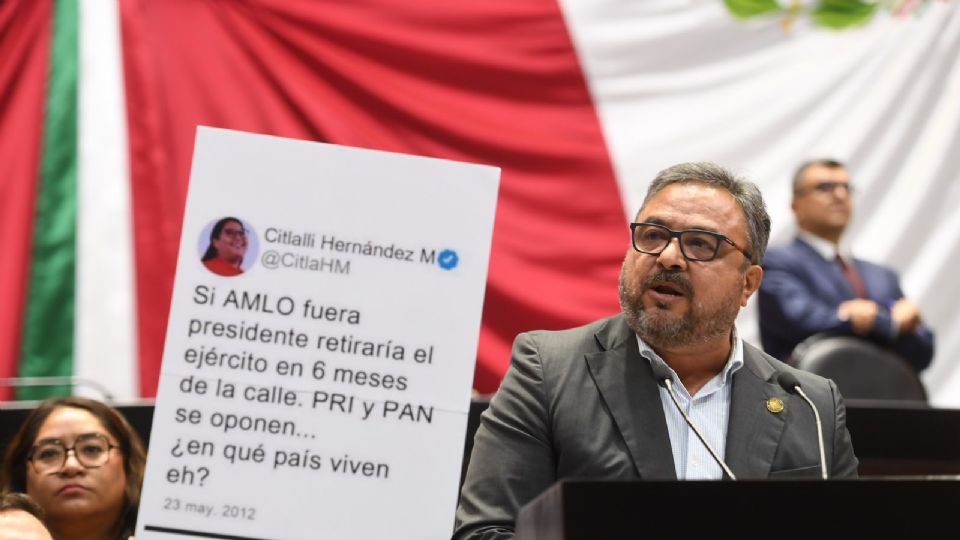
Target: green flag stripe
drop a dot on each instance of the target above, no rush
(47, 348)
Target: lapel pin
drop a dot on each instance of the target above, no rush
(775, 405)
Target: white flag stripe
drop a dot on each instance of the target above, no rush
(105, 344)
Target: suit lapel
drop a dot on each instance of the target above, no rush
(625, 382)
(753, 433)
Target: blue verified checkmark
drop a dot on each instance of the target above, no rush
(448, 259)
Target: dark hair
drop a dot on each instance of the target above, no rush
(819, 162)
(13, 475)
(10, 500)
(747, 195)
(215, 232)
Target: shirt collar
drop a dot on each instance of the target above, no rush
(734, 361)
(827, 249)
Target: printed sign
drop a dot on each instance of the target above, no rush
(321, 343)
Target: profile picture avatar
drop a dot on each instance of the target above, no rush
(228, 247)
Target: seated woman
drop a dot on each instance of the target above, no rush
(83, 463)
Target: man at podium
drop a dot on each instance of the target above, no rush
(666, 389)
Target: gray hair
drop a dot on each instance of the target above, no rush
(829, 163)
(746, 193)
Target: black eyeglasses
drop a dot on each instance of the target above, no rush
(695, 244)
(827, 187)
(234, 233)
(92, 450)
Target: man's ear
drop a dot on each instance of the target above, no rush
(751, 282)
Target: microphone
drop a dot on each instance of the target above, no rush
(663, 377)
(790, 383)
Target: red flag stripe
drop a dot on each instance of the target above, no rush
(25, 28)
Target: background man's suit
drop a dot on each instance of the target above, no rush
(584, 403)
(800, 293)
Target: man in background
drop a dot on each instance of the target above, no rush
(815, 285)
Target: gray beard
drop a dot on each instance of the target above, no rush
(661, 329)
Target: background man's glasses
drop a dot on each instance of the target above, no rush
(91, 450)
(828, 187)
(695, 244)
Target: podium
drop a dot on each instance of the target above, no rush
(876, 508)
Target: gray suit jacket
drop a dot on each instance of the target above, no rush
(583, 403)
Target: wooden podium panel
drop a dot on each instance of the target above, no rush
(809, 509)
(894, 438)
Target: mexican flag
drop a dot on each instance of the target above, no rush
(580, 102)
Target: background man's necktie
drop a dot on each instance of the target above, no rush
(853, 277)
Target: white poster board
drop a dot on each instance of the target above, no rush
(323, 390)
